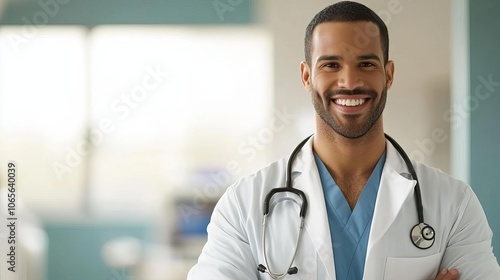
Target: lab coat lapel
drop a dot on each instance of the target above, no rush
(316, 224)
(394, 189)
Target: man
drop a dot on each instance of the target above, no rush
(362, 199)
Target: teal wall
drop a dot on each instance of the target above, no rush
(98, 12)
(485, 109)
(75, 249)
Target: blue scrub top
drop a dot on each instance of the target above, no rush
(349, 230)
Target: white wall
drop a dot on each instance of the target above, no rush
(419, 33)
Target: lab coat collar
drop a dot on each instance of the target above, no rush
(316, 223)
(305, 158)
(394, 189)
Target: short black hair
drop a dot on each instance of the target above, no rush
(346, 11)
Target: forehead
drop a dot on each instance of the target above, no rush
(346, 39)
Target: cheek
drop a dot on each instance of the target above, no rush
(377, 84)
(323, 82)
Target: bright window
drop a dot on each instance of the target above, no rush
(116, 119)
(43, 112)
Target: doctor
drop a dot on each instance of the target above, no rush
(362, 203)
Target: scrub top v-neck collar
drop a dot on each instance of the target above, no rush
(349, 229)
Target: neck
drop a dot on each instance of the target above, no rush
(346, 157)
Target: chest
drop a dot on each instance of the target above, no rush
(351, 188)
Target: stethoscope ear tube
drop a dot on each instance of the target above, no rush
(291, 270)
(303, 207)
(303, 211)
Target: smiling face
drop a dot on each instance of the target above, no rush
(347, 77)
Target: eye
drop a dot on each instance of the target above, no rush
(331, 65)
(366, 64)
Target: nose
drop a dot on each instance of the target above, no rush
(349, 78)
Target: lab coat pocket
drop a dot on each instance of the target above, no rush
(422, 268)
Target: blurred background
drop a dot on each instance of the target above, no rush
(128, 119)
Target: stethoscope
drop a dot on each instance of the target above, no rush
(422, 235)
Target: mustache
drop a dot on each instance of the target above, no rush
(357, 91)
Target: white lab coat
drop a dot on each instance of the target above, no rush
(234, 247)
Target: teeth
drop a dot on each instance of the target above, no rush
(349, 102)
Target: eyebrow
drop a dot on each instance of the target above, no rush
(329, 57)
(368, 57)
(339, 58)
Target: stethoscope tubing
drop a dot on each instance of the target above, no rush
(275, 275)
(418, 197)
(422, 235)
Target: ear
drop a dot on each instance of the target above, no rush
(389, 73)
(305, 74)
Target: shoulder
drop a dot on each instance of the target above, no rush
(453, 199)
(442, 187)
(267, 178)
(248, 193)
(438, 179)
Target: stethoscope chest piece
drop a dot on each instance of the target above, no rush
(422, 236)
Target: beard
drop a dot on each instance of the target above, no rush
(353, 126)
